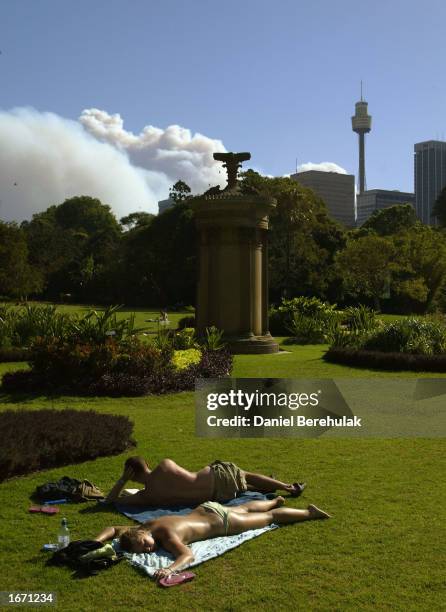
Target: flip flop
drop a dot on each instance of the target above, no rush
(299, 487)
(44, 509)
(174, 579)
(49, 509)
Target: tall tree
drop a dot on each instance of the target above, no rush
(421, 265)
(303, 239)
(180, 192)
(365, 266)
(17, 276)
(391, 220)
(71, 243)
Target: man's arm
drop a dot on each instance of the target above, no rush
(182, 553)
(119, 485)
(111, 532)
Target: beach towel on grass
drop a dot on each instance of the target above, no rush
(202, 551)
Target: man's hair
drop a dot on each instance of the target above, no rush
(129, 538)
(138, 465)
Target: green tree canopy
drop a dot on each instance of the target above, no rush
(71, 242)
(17, 277)
(180, 192)
(303, 239)
(136, 219)
(421, 265)
(365, 266)
(391, 220)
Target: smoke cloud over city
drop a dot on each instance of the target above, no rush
(322, 167)
(45, 158)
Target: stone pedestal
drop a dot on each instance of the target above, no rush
(232, 290)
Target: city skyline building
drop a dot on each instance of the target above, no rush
(429, 177)
(337, 190)
(164, 205)
(361, 124)
(377, 199)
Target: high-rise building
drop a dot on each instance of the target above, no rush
(361, 124)
(377, 199)
(164, 205)
(337, 191)
(429, 177)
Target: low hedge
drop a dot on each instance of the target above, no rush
(380, 360)
(42, 439)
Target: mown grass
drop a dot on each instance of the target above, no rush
(381, 550)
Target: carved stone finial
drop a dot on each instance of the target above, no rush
(232, 162)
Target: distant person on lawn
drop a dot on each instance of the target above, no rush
(170, 484)
(209, 520)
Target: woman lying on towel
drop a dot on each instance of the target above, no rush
(209, 520)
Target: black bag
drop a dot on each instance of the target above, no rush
(72, 554)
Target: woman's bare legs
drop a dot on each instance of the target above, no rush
(266, 484)
(244, 521)
(258, 505)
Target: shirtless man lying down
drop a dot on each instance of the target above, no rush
(209, 520)
(171, 484)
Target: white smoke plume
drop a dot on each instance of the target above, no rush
(174, 151)
(322, 167)
(45, 158)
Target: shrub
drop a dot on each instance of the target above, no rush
(360, 319)
(213, 364)
(41, 439)
(308, 319)
(185, 358)
(57, 364)
(358, 323)
(213, 339)
(185, 339)
(414, 336)
(312, 330)
(21, 326)
(188, 321)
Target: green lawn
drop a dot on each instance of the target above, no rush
(383, 549)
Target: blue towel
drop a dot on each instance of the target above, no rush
(202, 551)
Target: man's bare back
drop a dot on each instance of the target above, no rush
(171, 484)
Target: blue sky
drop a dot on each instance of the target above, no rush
(278, 79)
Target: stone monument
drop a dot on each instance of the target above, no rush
(232, 292)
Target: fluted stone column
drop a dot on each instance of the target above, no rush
(232, 292)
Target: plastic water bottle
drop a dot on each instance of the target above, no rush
(63, 537)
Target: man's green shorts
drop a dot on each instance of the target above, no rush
(229, 479)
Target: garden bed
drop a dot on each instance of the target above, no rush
(381, 360)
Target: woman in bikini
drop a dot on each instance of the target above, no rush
(209, 520)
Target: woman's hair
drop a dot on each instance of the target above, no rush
(138, 465)
(129, 538)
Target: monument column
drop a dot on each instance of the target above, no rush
(232, 292)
